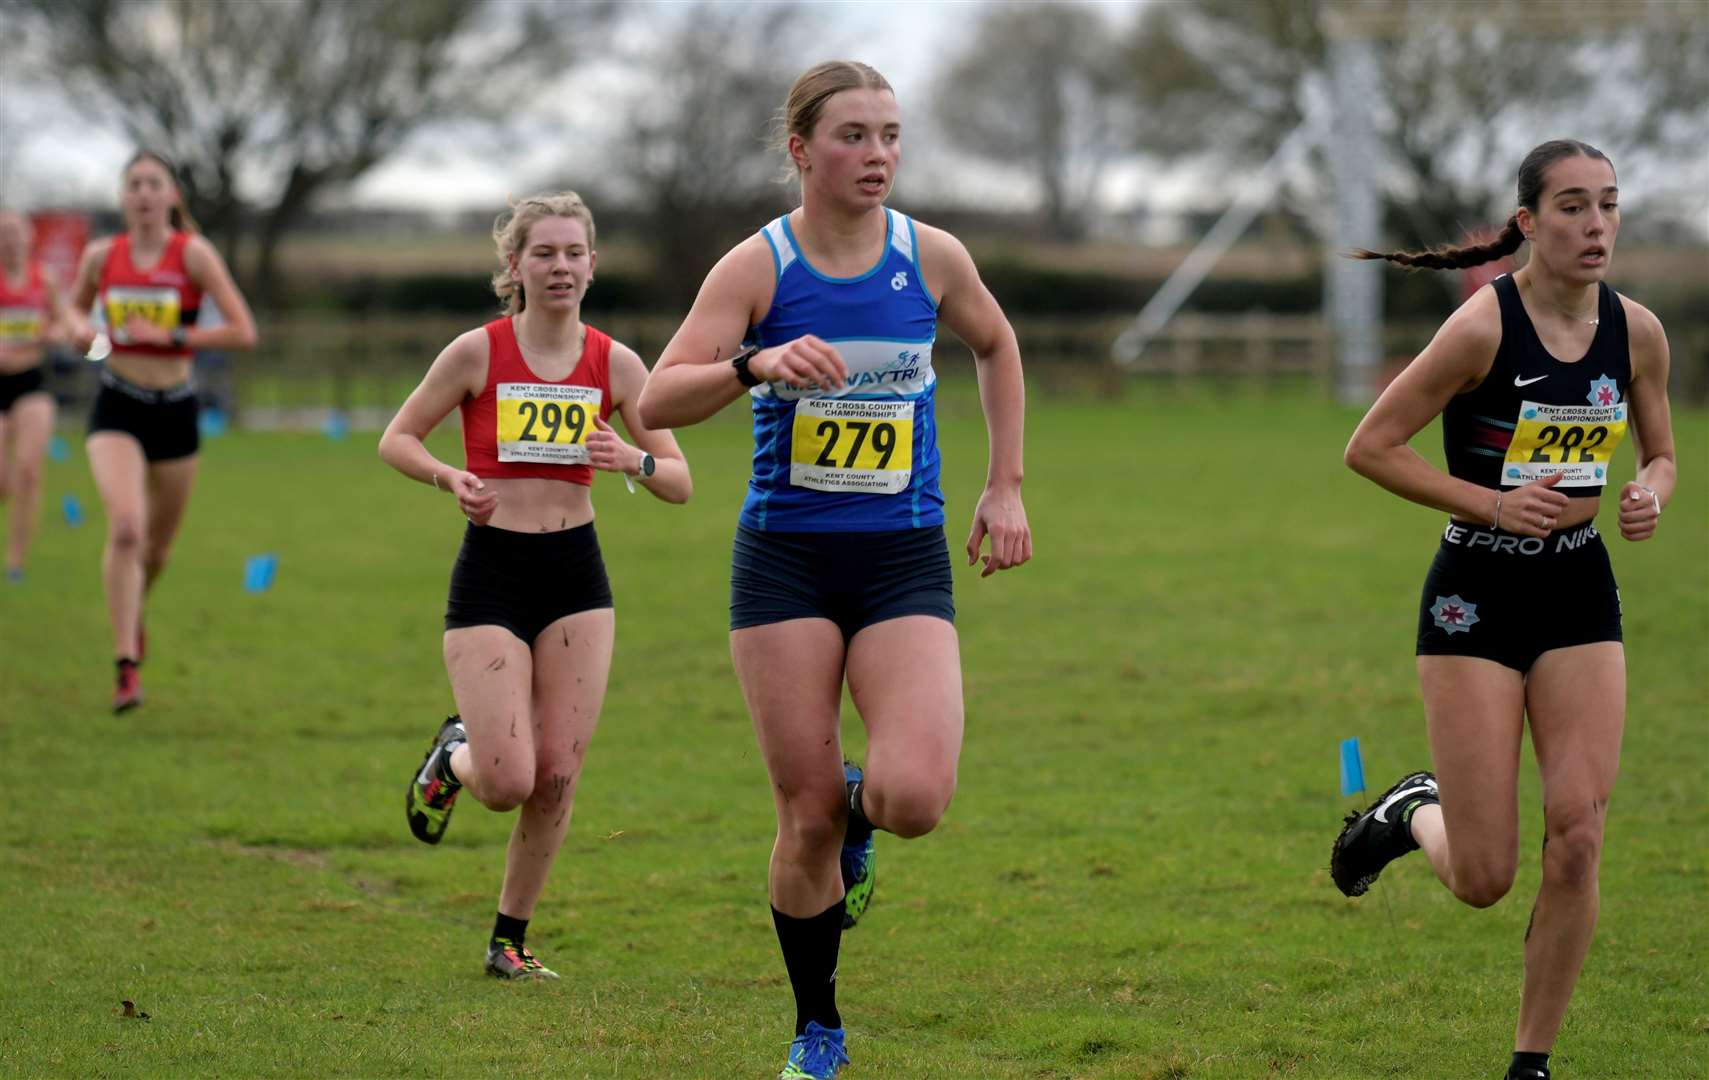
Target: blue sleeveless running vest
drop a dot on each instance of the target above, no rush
(865, 458)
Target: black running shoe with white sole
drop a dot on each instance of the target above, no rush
(431, 796)
(1378, 835)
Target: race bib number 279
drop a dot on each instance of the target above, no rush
(839, 444)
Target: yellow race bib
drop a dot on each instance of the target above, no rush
(20, 324)
(157, 304)
(1575, 441)
(842, 444)
(545, 422)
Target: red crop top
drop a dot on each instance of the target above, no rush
(521, 425)
(163, 295)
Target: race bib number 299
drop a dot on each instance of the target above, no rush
(851, 445)
(545, 422)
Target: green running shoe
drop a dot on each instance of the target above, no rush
(430, 798)
(507, 959)
(859, 860)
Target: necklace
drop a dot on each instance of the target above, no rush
(1576, 317)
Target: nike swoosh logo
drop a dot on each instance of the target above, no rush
(1382, 811)
(1517, 381)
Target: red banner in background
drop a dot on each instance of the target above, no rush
(60, 236)
(1474, 278)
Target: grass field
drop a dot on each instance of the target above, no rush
(1130, 883)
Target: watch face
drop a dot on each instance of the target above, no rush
(648, 464)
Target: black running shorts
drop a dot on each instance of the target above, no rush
(1510, 598)
(525, 582)
(163, 421)
(16, 384)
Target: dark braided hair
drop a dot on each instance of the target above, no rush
(1531, 172)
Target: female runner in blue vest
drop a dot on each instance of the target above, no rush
(841, 569)
(1537, 378)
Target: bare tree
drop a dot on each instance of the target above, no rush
(1041, 86)
(1465, 90)
(693, 152)
(264, 106)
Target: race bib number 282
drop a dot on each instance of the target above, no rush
(1576, 441)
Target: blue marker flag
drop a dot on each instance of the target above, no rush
(1352, 767)
(57, 449)
(211, 423)
(336, 425)
(73, 510)
(258, 572)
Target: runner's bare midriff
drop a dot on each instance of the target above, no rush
(532, 504)
(152, 372)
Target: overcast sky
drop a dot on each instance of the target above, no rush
(49, 154)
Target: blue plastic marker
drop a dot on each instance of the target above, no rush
(1352, 768)
(212, 423)
(336, 425)
(258, 571)
(73, 510)
(58, 449)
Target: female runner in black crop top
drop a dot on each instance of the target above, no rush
(1537, 377)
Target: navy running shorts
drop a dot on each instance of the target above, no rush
(854, 579)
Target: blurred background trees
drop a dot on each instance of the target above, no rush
(1080, 148)
(265, 107)
(1466, 90)
(1041, 86)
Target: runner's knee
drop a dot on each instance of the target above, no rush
(911, 807)
(811, 817)
(126, 532)
(1572, 851)
(1482, 883)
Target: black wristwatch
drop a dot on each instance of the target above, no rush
(740, 363)
(180, 337)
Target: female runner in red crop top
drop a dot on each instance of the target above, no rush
(530, 625)
(143, 437)
(32, 312)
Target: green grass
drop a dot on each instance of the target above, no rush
(1130, 883)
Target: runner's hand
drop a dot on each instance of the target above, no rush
(82, 333)
(606, 450)
(474, 498)
(139, 331)
(1532, 510)
(801, 364)
(1640, 511)
(1000, 516)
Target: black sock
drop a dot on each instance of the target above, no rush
(122, 662)
(1406, 812)
(444, 771)
(810, 954)
(512, 930)
(860, 826)
(1528, 1065)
